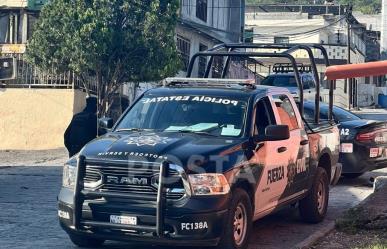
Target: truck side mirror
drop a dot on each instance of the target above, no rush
(277, 132)
(104, 125)
(274, 133)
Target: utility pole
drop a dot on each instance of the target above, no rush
(350, 91)
(242, 20)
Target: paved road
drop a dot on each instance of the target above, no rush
(28, 212)
(28, 206)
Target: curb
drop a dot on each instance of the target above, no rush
(312, 239)
(380, 182)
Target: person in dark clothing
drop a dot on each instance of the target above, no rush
(82, 128)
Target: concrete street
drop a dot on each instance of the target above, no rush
(28, 213)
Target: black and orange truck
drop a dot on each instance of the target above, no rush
(195, 162)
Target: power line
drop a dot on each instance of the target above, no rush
(302, 33)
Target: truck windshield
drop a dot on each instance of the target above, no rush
(280, 81)
(207, 115)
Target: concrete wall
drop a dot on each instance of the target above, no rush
(195, 40)
(35, 119)
(15, 3)
(340, 97)
(224, 18)
(366, 95)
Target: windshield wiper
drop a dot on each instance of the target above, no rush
(132, 129)
(196, 132)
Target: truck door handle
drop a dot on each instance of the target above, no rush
(282, 149)
(304, 142)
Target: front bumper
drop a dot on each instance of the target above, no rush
(187, 221)
(203, 229)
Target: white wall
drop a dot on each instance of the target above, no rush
(195, 39)
(266, 29)
(366, 95)
(14, 3)
(220, 13)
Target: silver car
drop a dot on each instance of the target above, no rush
(287, 80)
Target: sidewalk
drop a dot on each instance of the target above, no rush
(56, 157)
(364, 226)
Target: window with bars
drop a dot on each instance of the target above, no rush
(184, 48)
(9, 28)
(202, 61)
(201, 10)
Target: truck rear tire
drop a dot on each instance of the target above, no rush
(313, 207)
(236, 234)
(84, 241)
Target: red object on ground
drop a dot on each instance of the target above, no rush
(377, 68)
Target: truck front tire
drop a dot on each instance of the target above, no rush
(313, 207)
(84, 241)
(239, 222)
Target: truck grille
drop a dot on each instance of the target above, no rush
(133, 179)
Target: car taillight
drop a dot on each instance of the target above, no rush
(377, 136)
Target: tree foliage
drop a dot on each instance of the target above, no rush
(365, 6)
(115, 41)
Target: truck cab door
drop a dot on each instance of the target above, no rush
(272, 158)
(297, 147)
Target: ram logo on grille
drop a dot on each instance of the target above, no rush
(126, 180)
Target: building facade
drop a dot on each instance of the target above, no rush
(17, 18)
(205, 23)
(331, 25)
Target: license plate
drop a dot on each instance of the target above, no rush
(124, 220)
(374, 152)
(346, 148)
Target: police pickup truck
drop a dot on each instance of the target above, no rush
(195, 162)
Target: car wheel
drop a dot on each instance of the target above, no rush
(352, 175)
(84, 241)
(237, 231)
(313, 207)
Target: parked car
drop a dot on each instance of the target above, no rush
(195, 163)
(288, 81)
(363, 142)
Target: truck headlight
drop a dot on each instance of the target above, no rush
(208, 184)
(69, 176)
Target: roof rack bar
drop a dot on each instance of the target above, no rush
(315, 74)
(289, 49)
(292, 48)
(255, 54)
(272, 46)
(277, 46)
(209, 63)
(226, 65)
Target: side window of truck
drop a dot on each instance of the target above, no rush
(263, 116)
(286, 112)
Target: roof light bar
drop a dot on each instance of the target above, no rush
(207, 81)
